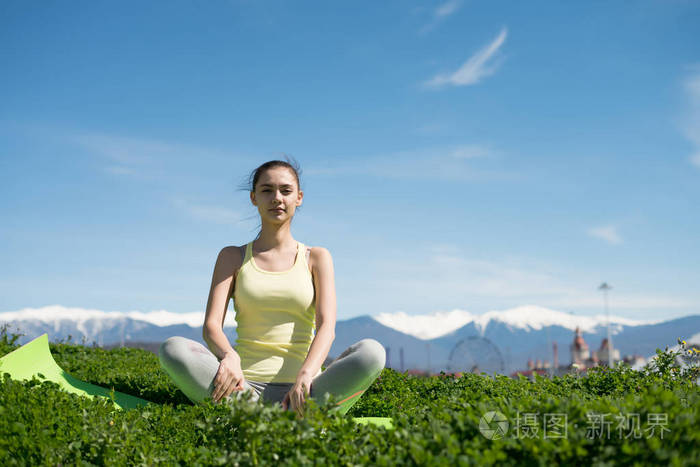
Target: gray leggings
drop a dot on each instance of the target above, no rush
(192, 367)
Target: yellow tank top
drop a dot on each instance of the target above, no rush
(275, 316)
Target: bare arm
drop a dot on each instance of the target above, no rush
(229, 377)
(324, 283)
(227, 262)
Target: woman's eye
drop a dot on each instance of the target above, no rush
(284, 192)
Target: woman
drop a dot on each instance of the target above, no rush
(281, 290)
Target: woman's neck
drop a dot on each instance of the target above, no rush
(274, 237)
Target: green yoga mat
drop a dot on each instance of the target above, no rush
(34, 359)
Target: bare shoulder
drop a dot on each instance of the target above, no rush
(231, 257)
(320, 257)
(319, 252)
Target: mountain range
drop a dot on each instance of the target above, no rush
(454, 341)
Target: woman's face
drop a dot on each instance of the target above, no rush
(276, 195)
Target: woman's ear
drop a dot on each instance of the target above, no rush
(300, 198)
(252, 198)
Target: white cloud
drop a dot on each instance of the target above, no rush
(131, 156)
(154, 160)
(470, 151)
(445, 277)
(449, 163)
(441, 13)
(432, 128)
(207, 213)
(120, 170)
(608, 233)
(625, 301)
(691, 126)
(447, 8)
(477, 67)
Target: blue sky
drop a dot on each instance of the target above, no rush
(456, 155)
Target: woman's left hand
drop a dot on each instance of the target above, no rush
(296, 397)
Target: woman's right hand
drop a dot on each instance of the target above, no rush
(228, 378)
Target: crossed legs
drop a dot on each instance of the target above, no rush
(192, 367)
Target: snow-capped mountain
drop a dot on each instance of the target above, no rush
(54, 314)
(424, 341)
(517, 335)
(105, 327)
(526, 318)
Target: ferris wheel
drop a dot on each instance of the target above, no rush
(475, 354)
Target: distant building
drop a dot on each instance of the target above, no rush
(579, 349)
(604, 350)
(581, 359)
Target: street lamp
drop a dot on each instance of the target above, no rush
(605, 287)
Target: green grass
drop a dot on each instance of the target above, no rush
(437, 419)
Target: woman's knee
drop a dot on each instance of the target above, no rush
(372, 355)
(171, 351)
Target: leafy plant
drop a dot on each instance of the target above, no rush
(438, 420)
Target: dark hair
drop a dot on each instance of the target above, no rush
(290, 163)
